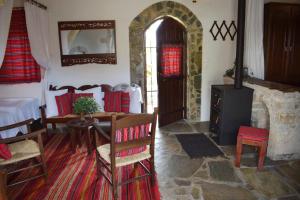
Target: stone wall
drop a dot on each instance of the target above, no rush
(280, 113)
(194, 49)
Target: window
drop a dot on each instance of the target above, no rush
(19, 66)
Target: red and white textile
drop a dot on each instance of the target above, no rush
(171, 60)
(18, 65)
(5, 16)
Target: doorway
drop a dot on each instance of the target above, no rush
(165, 74)
(194, 30)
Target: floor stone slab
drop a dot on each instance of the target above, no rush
(183, 178)
(182, 166)
(195, 193)
(181, 182)
(292, 174)
(225, 192)
(253, 161)
(201, 174)
(176, 127)
(201, 127)
(223, 171)
(267, 183)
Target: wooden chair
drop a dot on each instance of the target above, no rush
(22, 148)
(116, 153)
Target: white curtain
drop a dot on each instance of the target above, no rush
(38, 30)
(254, 53)
(5, 16)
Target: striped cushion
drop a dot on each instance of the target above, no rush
(125, 102)
(131, 133)
(64, 104)
(5, 152)
(104, 151)
(112, 101)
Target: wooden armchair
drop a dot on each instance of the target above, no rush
(22, 148)
(119, 152)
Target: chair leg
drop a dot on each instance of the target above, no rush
(135, 166)
(152, 168)
(114, 183)
(3, 185)
(88, 141)
(262, 155)
(44, 167)
(239, 150)
(99, 166)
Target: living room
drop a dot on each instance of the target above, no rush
(210, 42)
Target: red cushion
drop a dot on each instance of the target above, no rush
(76, 96)
(64, 104)
(125, 102)
(112, 101)
(127, 134)
(5, 152)
(252, 133)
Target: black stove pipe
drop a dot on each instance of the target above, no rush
(238, 80)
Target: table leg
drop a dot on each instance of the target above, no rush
(79, 137)
(88, 140)
(72, 136)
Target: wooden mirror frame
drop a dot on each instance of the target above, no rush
(101, 58)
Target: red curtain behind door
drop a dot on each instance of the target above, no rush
(171, 60)
(19, 66)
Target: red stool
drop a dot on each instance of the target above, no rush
(255, 137)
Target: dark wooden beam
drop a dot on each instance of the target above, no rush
(238, 81)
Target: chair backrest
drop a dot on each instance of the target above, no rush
(131, 133)
(19, 124)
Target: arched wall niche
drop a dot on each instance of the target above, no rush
(194, 49)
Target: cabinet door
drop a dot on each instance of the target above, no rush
(276, 41)
(293, 68)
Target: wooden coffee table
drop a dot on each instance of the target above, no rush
(78, 128)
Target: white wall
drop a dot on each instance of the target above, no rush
(217, 55)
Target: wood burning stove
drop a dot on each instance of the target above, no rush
(230, 109)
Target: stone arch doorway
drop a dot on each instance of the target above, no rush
(194, 49)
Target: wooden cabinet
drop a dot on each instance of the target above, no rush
(230, 108)
(282, 43)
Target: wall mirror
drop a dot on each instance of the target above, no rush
(83, 42)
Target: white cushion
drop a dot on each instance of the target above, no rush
(104, 151)
(51, 107)
(97, 94)
(135, 94)
(124, 87)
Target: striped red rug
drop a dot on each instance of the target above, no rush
(73, 176)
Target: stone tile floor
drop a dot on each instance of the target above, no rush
(216, 178)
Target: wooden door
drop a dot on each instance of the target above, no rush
(276, 41)
(171, 88)
(293, 68)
